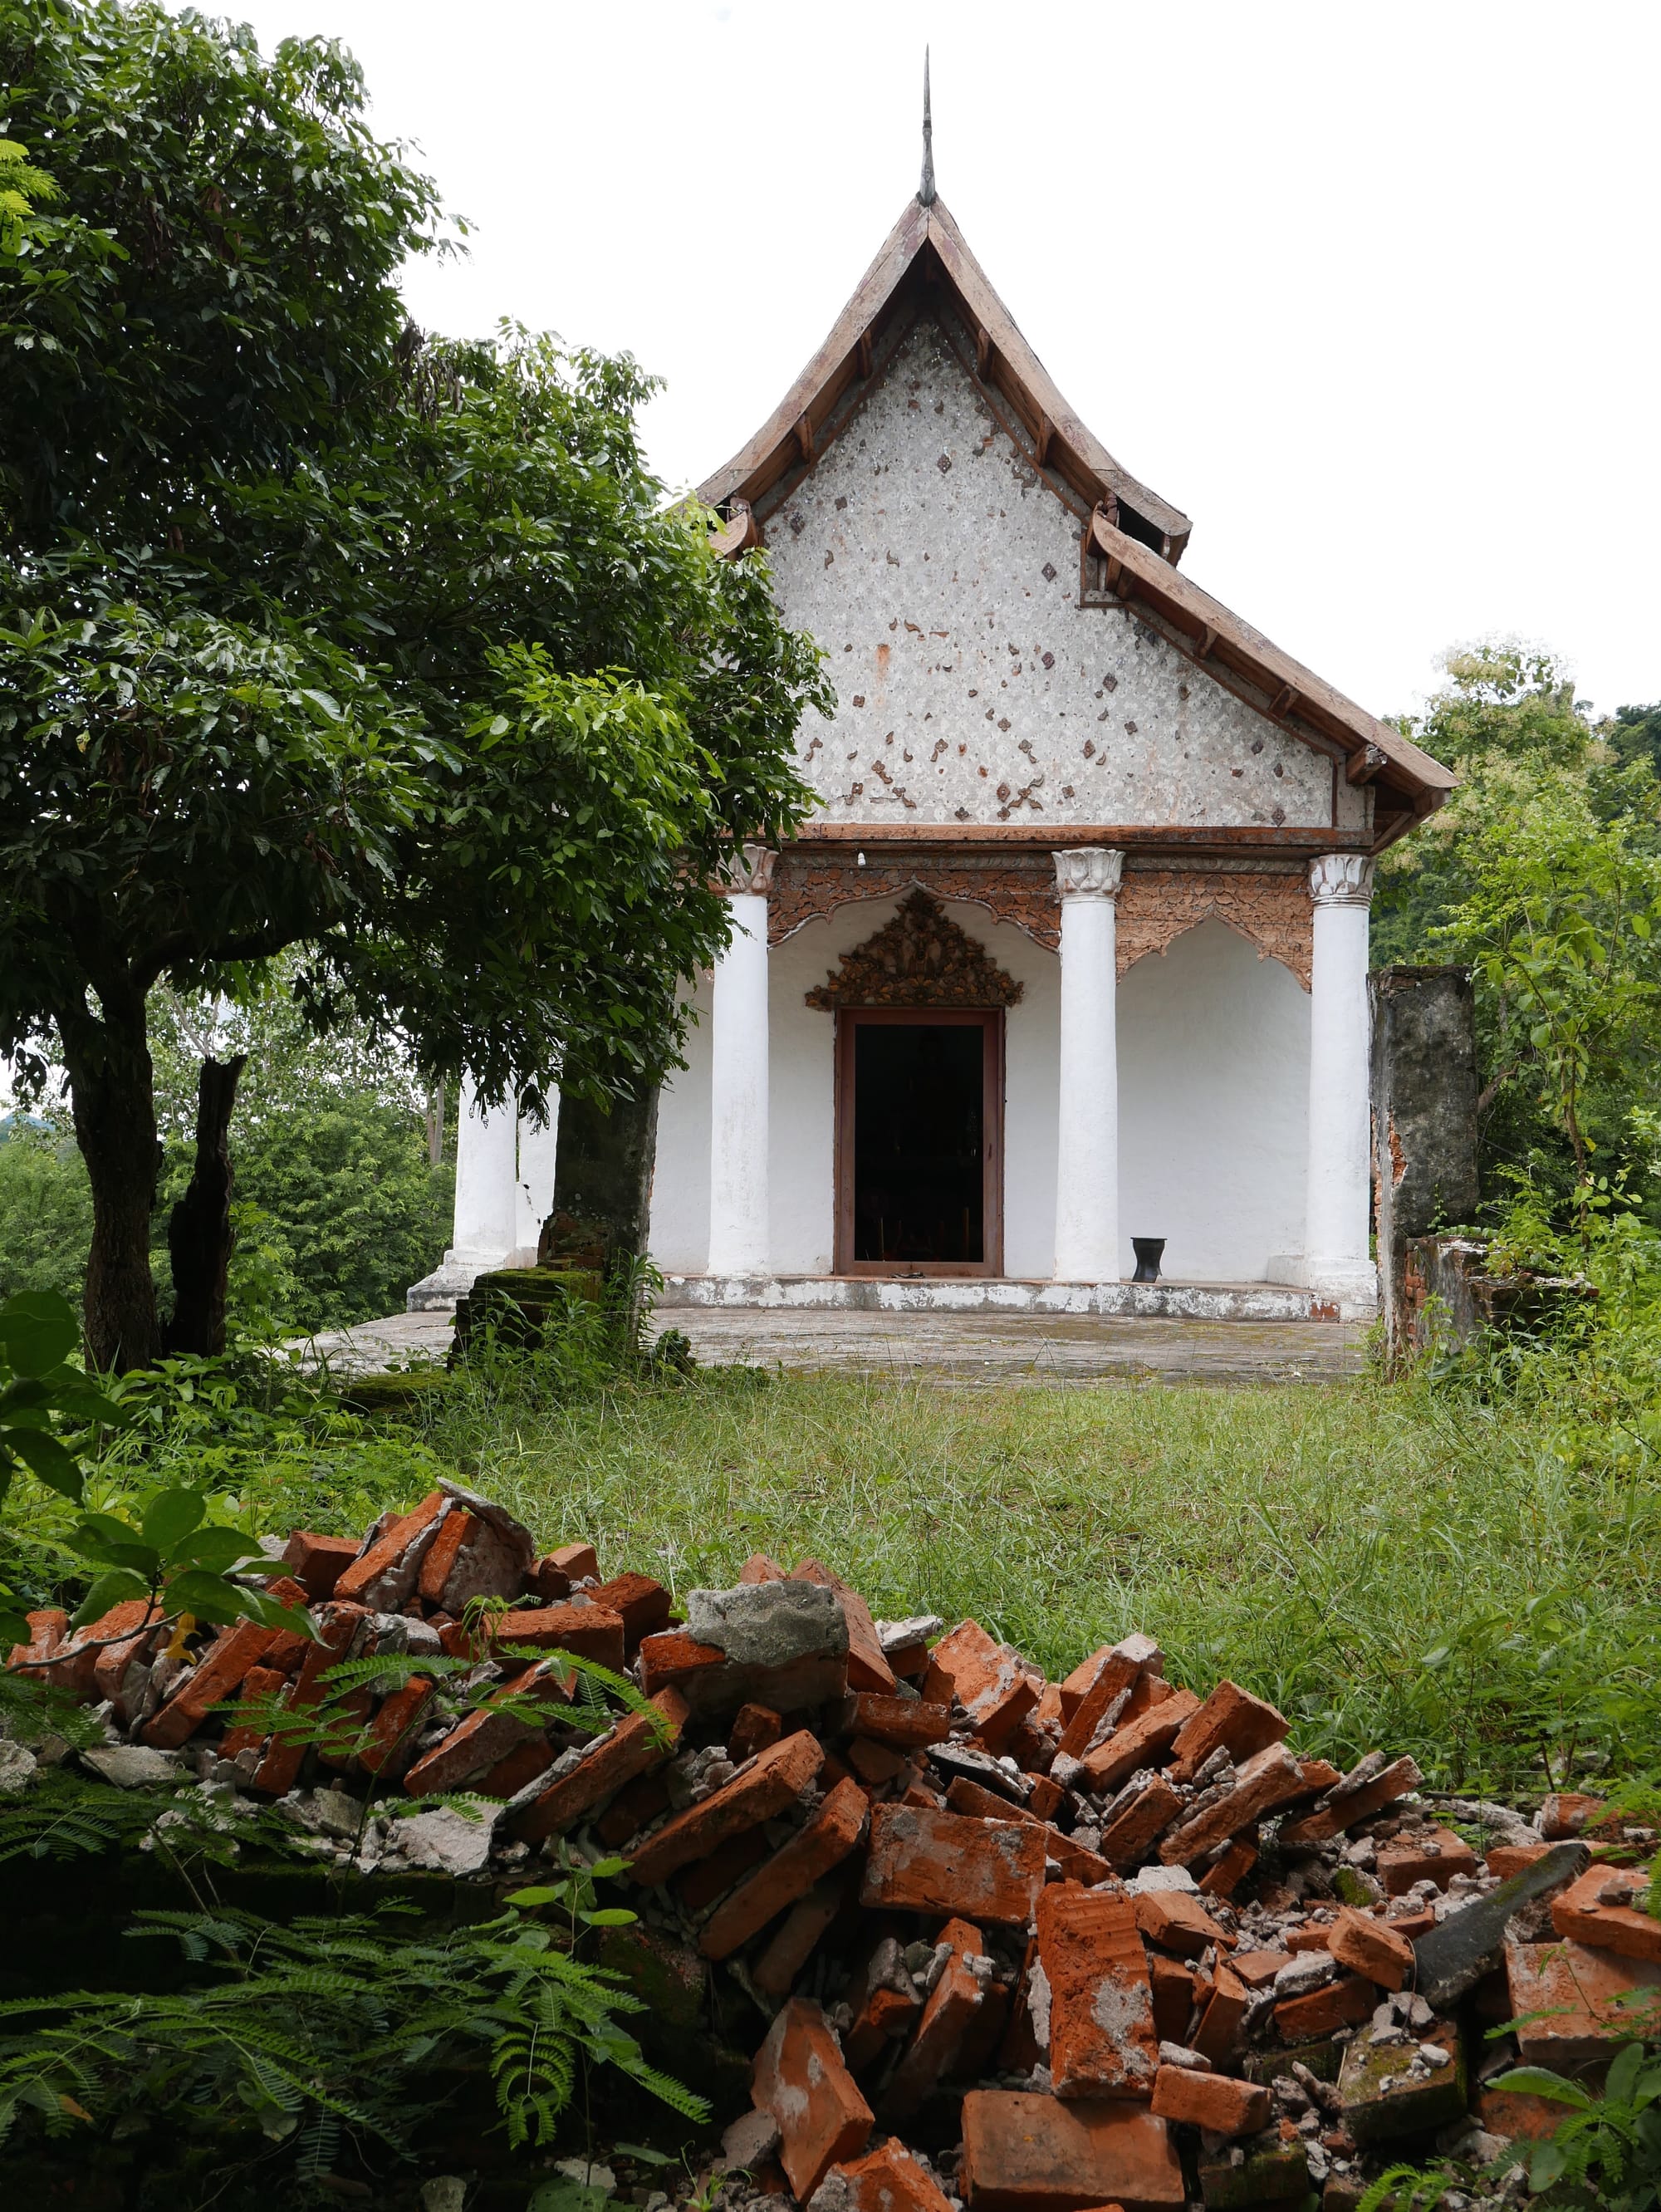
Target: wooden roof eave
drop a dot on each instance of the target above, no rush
(1221, 643)
(788, 437)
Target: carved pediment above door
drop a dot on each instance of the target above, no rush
(919, 959)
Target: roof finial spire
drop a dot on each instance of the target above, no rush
(926, 190)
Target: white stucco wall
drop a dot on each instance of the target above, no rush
(1214, 1071)
(1213, 1106)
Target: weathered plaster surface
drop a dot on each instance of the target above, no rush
(940, 573)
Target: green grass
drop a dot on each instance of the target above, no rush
(1391, 1567)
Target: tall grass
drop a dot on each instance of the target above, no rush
(1393, 1567)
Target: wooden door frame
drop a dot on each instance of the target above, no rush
(990, 1021)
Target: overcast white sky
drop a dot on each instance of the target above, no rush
(1370, 291)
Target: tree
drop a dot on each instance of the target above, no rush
(1543, 872)
(315, 633)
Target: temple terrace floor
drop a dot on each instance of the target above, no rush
(952, 1347)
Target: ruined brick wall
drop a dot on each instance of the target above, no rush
(940, 573)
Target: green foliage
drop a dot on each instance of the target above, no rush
(1543, 872)
(1612, 2141)
(24, 189)
(46, 1209)
(178, 1561)
(292, 2033)
(314, 634)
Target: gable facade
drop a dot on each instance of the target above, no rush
(1068, 966)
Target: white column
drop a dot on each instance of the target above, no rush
(1087, 1156)
(485, 1164)
(738, 1240)
(533, 1188)
(484, 1224)
(1336, 1210)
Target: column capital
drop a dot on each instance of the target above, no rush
(1089, 872)
(747, 871)
(1340, 880)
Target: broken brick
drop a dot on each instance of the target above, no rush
(1371, 1947)
(391, 1735)
(1508, 1859)
(963, 1795)
(138, 1617)
(890, 2179)
(1264, 1781)
(1102, 2004)
(927, 1862)
(1137, 1743)
(642, 1604)
(875, 1763)
(788, 1951)
(799, 2077)
(885, 2016)
(1582, 2000)
(632, 1747)
(1137, 1826)
(777, 1776)
(988, 1679)
(49, 1624)
(387, 1572)
(1567, 1813)
(442, 1555)
(754, 1728)
(712, 1684)
(1175, 1920)
(218, 1674)
(1403, 1861)
(636, 1805)
(1343, 2003)
(318, 1562)
(592, 1631)
(548, 1580)
(705, 1880)
(948, 2016)
(1025, 2152)
(1224, 2014)
(868, 1666)
(1223, 1879)
(337, 1622)
(1597, 1910)
(1076, 1863)
(829, 1836)
(486, 1736)
(1216, 2101)
(1111, 1673)
(259, 1685)
(1345, 1808)
(759, 1568)
(1232, 1720)
(516, 1769)
(577, 1563)
(905, 1722)
(1384, 2097)
(1045, 1798)
(1257, 1969)
(1172, 1986)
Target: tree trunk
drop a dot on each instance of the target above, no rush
(199, 1238)
(111, 1089)
(602, 1175)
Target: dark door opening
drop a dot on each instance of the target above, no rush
(920, 1139)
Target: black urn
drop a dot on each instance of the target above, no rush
(1150, 1251)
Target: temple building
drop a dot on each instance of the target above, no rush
(1073, 949)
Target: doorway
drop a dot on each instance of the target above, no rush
(920, 1141)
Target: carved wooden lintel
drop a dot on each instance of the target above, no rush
(919, 959)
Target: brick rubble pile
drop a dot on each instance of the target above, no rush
(1007, 1944)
